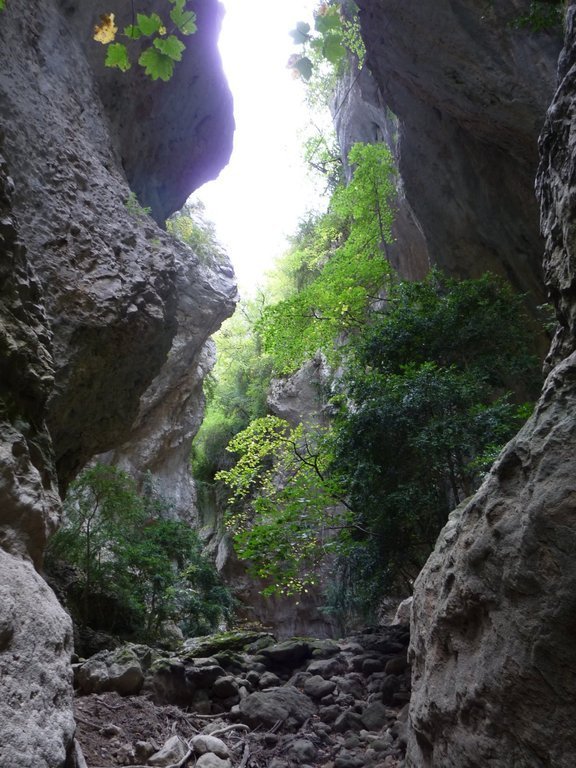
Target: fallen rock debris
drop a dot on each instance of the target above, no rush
(300, 703)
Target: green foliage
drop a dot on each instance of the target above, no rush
(236, 391)
(336, 34)
(283, 504)
(2, 5)
(192, 227)
(322, 155)
(422, 410)
(117, 56)
(134, 568)
(161, 36)
(541, 16)
(135, 209)
(428, 383)
(350, 241)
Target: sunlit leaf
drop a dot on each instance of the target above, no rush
(328, 22)
(117, 56)
(133, 31)
(105, 32)
(149, 25)
(156, 64)
(184, 20)
(171, 47)
(333, 49)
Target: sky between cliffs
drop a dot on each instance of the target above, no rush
(259, 197)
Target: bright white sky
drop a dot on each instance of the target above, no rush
(259, 197)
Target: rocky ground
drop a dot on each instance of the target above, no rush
(242, 700)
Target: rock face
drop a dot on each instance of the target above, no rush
(470, 94)
(493, 615)
(94, 299)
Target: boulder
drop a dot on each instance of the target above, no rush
(204, 743)
(303, 750)
(172, 752)
(210, 760)
(289, 653)
(119, 670)
(285, 704)
(317, 687)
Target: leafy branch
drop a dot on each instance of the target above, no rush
(336, 34)
(165, 49)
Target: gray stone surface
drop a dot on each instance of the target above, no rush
(171, 752)
(36, 724)
(118, 670)
(470, 94)
(493, 610)
(210, 760)
(287, 704)
(205, 743)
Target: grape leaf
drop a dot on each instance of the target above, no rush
(156, 64)
(304, 66)
(179, 4)
(171, 47)
(300, 34)
(333, 49)
(133, 31)
(117, 56)
(327, 22)
(105, 32)
(149, 24)
(184, 20)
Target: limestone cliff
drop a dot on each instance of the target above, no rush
(494, 608)
(95, 297)
(469, 93)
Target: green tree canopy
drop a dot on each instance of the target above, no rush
(133, 567)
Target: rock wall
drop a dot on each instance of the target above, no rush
(494, 608)
(94, 299)
(470, 94)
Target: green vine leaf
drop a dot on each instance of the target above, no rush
(170, 46)
(157, 65)
(2, 5)
(301, 34)
(304, 67)
(184, 20)
(133, 31)
(117, 57)
(333, 49)
(328, 22)
(149, 25)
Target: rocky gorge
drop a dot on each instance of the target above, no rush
(104, 322)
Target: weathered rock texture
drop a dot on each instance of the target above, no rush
(494, 609)
(36, 725)
(470, 95)
(94, 298)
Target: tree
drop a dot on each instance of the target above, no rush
(421, 408)
(352, 270)
(284, 506)
(133, 568)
